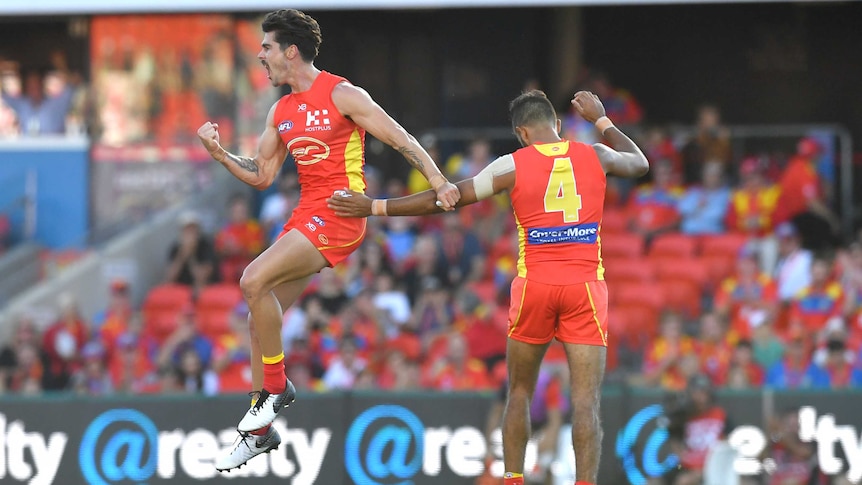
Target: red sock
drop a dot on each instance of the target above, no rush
(273, 374)
(513, 478)
(261, 431)
(581, 482)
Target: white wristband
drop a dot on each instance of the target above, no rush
(378, 207)
(604, 123)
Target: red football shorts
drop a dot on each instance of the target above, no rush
(335, 237)
(574, 314)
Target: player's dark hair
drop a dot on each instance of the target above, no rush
(291, 26)
(530, 108)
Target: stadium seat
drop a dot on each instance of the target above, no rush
(675, 245)
(723, 244)
(683, 296)
(636, 270)
(718, 267)
(614, 221)
(214, 307)
(161, 307)
(682, 268)
(631, 324)
(622, 245)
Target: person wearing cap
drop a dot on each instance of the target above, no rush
(192, 259)
(804, 197)
(752, 210)
(793, 271)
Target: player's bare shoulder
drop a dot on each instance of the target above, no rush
(350, 99)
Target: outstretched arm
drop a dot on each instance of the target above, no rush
(357, 104)
(624, 158)
(498, 176)
(260, 171)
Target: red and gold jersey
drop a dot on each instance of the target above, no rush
(329, 149)
(558, 199)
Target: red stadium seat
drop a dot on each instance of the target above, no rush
(637, 270)
(682, 268)
(683, 296)
(674, 245)
(214, 306)
(643, 303)
(718, 267)
(723, 244)
(622, 245)
(631, 324)
(614, 221)
(161, 307)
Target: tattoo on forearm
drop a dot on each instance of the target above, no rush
(246, 163)
(412, 158)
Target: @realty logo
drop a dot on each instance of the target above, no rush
(120, 444)
(640, 462)
(384, 446)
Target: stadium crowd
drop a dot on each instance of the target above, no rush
(736, 282)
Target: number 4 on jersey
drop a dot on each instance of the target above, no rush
(562, 192)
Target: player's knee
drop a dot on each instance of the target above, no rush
(251, 284)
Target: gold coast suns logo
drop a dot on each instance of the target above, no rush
(307, 150)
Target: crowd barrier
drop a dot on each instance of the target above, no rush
(367, 438)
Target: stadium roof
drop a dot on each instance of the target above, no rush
(87, 7)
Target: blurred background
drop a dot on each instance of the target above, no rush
(734, 266)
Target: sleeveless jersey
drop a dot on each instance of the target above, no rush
(328, 149)
(558, 200)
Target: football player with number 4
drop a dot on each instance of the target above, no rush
(557, 188)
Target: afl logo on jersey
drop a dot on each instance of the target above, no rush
(307, 150)
(285, 126)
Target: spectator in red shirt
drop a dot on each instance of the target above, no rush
(804, 197)
(116, 318)
(665, 355)
(399, 373)
(820, 301)
(705, 425)
(130, 366)
(62, 343)
(652, 208)
(457, 371)
(239, 241)
(743, 372)
(712, 347)
(753, 209)
(748, 298)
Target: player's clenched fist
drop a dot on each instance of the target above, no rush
(208, 133)
(588, 105)
(447, 196)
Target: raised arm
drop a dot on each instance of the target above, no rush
(356, 104)
(498, 176)
(623, 158)
(260, 171)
